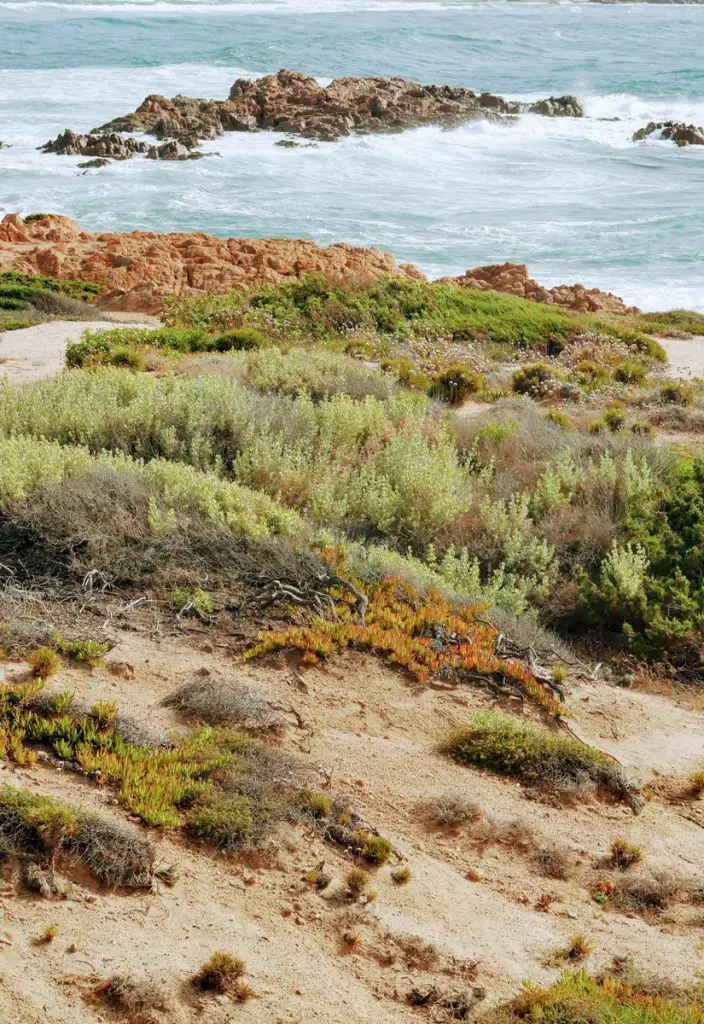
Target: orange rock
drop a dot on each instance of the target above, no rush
(138, 269)
(513, 279)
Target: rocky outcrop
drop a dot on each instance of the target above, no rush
(136, 270)
(109, 145)
(174, 150)
(514, 279)
(296, 104)
(675, 131)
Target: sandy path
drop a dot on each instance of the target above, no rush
(39, 351)
(685, 355)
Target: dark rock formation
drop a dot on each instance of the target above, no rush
(99, 161)
(110, 145)
(676, 131)
(174, 150)
(295, 104)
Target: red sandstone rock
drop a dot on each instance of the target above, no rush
(139, 268)
(513, 279)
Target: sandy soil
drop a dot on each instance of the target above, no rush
(374, 735)
(35, 352)
(685, 355)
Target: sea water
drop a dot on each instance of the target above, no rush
(575, 199)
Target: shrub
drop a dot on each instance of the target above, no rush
(631, 372)
(534, 379)
(216, 704)
(44, 662)
(356, 882)
(559, 418)
(509, 746)
(240, 339)
(124, 357)
(192, 602)
(455, 383)
(223, 973)
(677, 392)
(642, 891)
(225, 821)
(376, 849)
(42, 828)
(624, 855)
(614, 417)
(401, 875)
(452, 809)
(577, 999)
(132, 995)
(555, 861)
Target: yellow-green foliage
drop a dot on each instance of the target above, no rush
(624, 855)
(89, 652)
(578, 999)
(164, 787)
(512, 746)
(223, 973)
(44, 662)
(27, 463)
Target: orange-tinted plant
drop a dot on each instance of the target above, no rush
(423, 634)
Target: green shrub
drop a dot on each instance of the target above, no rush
(225, 822)
(376, 849)
(126, 357)
(192, 602)
(223, 973)
(559, 418)
(534, 379)
(578, 999)
(455, 383)
(614, 418)
(631, 372)
(510, 746)
(677, 392)
(240, 339)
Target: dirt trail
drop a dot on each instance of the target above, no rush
(34, 352)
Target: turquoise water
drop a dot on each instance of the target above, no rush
(575, 199)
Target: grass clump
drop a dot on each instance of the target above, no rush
(217, 704)
(44, 662)
(375, 849)
(356, 882)
(507, 745)
(449, 810)
(131, 995)
(623, 855)
(222, 973)
(696, 781)
(47, 936)
(401, 875)
(456, 383)
(320, 805)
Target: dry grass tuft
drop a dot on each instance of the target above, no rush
(555, 861)
(449, 810)
(132, 995)
(623, 855)
(207, 701)
(222, 973)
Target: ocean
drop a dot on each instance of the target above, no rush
(575, 199)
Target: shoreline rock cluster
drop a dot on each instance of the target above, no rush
(673, 131)
(297, 105)
(139, 268)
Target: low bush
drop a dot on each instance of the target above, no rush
(555, 861)
(222, 973)
(456, 383)
(535, 379)
(510, 746)
(624, 855)
(88, 652)
(240, 339)
(452, 809)
(217, 704)
(44, 829)
(631, 372)
(401, 875)
(577, 998)
(131, 994)
(677, 392)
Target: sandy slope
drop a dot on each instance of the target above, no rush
(39, 351)
(685, 355)
(375, 735)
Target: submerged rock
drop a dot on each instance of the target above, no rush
(68, 143)
(296, 104)
(675, 131)
(173, 150)
(99, 161)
